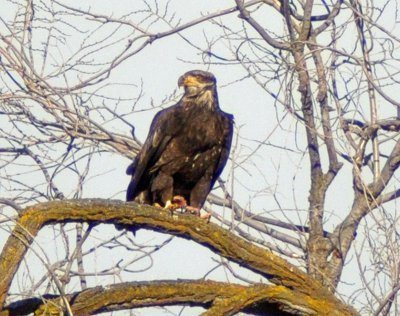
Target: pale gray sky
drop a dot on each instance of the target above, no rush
(276, 169)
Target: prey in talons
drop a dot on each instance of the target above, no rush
(179, 202)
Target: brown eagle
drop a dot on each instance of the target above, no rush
(186, 149)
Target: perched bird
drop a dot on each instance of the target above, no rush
(186, 149)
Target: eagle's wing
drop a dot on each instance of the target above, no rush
(163, 128)
(225, 148)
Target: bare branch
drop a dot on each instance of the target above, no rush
(245, 14)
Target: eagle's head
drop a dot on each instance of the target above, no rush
(200, 86)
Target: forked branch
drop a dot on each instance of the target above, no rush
(221, 241)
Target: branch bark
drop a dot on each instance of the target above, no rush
(221, 299)
(221, 241)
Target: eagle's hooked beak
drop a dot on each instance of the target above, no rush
(190, 81)
(193, 85)
(181, 81)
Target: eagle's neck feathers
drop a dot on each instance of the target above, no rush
(205, 98)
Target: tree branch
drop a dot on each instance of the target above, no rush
(221, 298)
(391, 165)
(221, 241)
(245, 15)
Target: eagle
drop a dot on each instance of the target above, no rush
(186, 149)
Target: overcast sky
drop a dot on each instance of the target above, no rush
(273, 172)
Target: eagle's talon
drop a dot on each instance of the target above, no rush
(206, 216)
(193, 210)
(196, 211)
(169, 205)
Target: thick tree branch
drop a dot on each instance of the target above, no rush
(317, 245)
(391, 165)
(322, 97)
(221, 298)
(219, 240)
(387, 197)
(343, 236)
(306, 26)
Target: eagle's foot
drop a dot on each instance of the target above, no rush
(196, 211)
(193, 210)
(206, 216)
